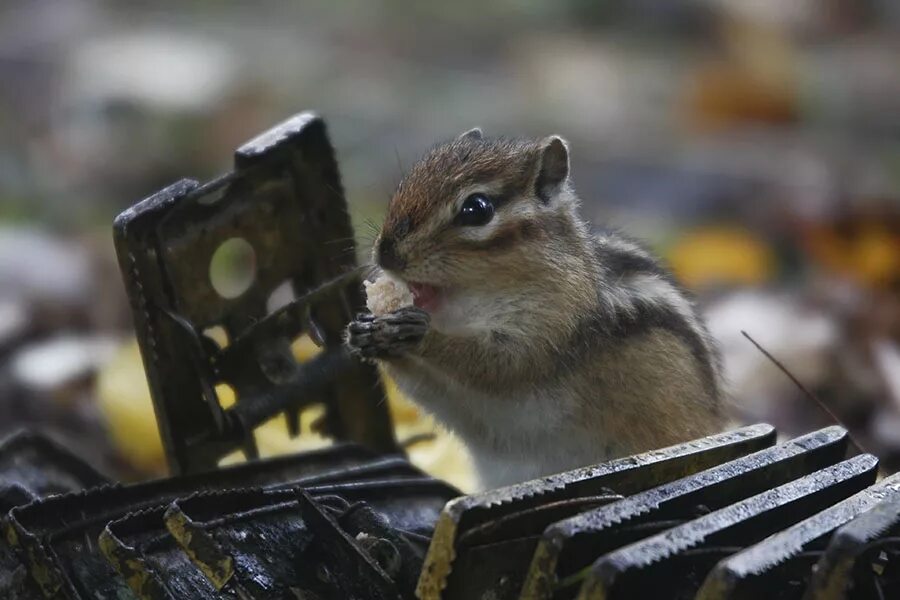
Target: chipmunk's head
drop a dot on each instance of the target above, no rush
(476, 216)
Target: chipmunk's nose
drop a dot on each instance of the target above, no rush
(387, 255)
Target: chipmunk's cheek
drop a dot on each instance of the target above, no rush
(448, 313)
(427, 297)
(460, 313)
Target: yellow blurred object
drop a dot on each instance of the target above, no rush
(442, 456)
(124, 400)
(304, 348)
(868, 252)
(402, 410)
(721, 255)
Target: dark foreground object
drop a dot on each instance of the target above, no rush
(337, 523)
(729, 516)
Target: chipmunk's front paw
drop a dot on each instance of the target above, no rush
(387, 336)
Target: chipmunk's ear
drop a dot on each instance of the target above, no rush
(473, 134)
(553, 167)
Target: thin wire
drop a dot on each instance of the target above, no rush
(806, 391)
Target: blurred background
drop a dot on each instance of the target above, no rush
(754, 143)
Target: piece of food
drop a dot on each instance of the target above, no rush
(386, 294)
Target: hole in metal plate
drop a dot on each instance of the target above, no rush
(232, 268)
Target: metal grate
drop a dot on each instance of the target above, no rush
(242, 530)
(728, 516)
(762, 523)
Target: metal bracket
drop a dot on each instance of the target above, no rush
(284, 200)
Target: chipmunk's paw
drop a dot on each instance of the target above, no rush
(387, 336)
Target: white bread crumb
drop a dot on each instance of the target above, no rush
(386, 294)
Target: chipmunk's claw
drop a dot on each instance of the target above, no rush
(387, 336)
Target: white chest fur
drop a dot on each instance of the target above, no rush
(511, 439)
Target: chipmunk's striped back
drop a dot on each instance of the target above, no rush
(637, 292)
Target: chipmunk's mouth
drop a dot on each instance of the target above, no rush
(425, 296)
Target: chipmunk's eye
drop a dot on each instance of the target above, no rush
(477, 209)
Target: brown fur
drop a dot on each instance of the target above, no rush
(554, 348)
(462, 162)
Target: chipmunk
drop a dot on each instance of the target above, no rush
(542, 346)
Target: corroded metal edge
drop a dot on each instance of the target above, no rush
(189, 529)
(133, 223)
(26, 527)
(439, 558)
(816, 444)
(129, 563)
(29, 547)
(682, 459)
(201, 548)
(29, 528)
(26, 522)
(726, 578)
(542, 577)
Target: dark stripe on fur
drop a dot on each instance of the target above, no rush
(618, 261)
(599, 332)
(602, 329)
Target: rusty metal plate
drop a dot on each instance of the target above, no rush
(258, 544)
(57, 536)
(283, 201)
(150, 564)
(518, 514)
(673, 564)
(780, 566)
(570, 545)
(260, 534)
(153, 565)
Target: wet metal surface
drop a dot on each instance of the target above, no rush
(33, 466)
(862, 559)
(503, 517)
(148, 560)
(261, 544)
(675, 562)
(567, 546)
(57, 536)
(781, 565)
(704, 530)
(729, 516)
